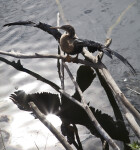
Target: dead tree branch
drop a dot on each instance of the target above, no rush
(43, 119)
(60, 63)
(37, 55)
(130, 118)
(115, 89)
(138, 93)
(90, 114)
(93, 62)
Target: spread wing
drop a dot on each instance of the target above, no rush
(78, 43)
(43, 26)
(94, 46)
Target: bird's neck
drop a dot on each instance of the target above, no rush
(71, 33)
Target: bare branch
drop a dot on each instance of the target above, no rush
(93, 63)
(90, 114)
(75, 83)
(88, 111)
(112, 84)
(131, 120)
(134, 91)
(77, 137)
(61, 69)
(19, 67)
(107, 44)
(37, 55)
(43, 119)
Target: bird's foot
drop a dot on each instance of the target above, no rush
(75, 59)
(71, 59)
(68, 59)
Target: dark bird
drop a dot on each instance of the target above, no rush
(72, 45)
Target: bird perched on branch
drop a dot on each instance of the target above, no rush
(72, 45)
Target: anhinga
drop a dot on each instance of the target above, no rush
(72, 45)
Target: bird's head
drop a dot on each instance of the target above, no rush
(68, 28)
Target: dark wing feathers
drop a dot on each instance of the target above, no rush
(78, 43)
(30, 23)
(107, 52)
(88, 43)
(94, 46)
(43, 26)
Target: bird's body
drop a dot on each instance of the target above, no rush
(68, 40)
(70, 44)
(66, 44)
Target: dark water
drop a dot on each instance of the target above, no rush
(92, 20)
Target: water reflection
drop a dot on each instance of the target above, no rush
(28, 132)
(56, 122)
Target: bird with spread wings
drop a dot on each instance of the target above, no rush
(72, 45)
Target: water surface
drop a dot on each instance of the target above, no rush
(92, 20)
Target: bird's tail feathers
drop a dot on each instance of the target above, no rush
(124, 60)
(107, 52)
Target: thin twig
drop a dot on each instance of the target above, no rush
(133, 91)
(2, 139)
(77, 137)
(43, 119)
(19, 67)
(75, 83)
(130, 118)
(36, 145)
(61, 69)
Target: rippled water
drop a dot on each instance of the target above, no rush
(92, 20)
